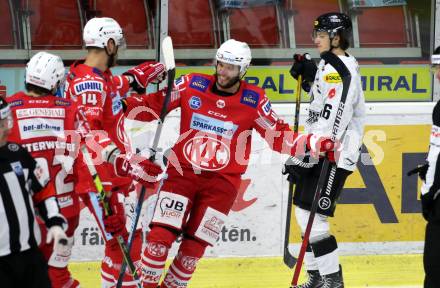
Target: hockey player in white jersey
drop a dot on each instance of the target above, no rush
(329, 116)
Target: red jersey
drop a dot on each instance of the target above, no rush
(215, 130)
(98, 94)
(40, 125)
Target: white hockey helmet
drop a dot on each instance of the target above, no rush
(99, 30)
(45, 70)
(236, 53)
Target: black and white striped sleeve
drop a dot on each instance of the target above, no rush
(432, 183)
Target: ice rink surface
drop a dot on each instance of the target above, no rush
(374, 271)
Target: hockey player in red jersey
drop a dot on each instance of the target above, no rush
(25, 186)
(218, 114)
(44, 125)
(98, 93)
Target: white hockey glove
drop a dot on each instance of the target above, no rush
(60, 243)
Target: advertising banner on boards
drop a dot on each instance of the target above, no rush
(381, 83)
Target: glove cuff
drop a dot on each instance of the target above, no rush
(134, 84)
(300, 163)
(58, 220)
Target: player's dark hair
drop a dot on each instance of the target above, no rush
(344, 40)
(37, 89)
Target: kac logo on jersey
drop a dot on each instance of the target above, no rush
(195, 102)
(250, 98)
(199, 83)
(17, 168)
(220, 103)
(207, 153)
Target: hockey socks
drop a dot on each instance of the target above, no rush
(184, 264)
(155, 254)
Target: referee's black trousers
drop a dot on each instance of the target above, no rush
(431, 255)
(24, 269)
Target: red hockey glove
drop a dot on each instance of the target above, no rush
(115, 222)
(323, 145)
(139, 168)
(146, 73)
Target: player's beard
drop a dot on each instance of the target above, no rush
(112, 58)
(228, 84)
(111, 62)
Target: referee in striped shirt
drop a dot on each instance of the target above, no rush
(23, 184)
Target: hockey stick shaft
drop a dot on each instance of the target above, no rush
(297, 104)
(305, 242)
(288, 258)
(107, 211)
(167, 49)
(343, 71)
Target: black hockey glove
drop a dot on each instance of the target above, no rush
(421, 170)
(296, 168)
(428, 203)
(304, 65)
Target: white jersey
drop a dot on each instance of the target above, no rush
(326, 95)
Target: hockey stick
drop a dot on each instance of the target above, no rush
(343, 71)
(288, 258)
(168, 53)
(107, 211)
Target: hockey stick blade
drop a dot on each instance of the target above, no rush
(288, 258)
(168, 53)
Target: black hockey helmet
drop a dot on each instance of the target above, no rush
(334, 23)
